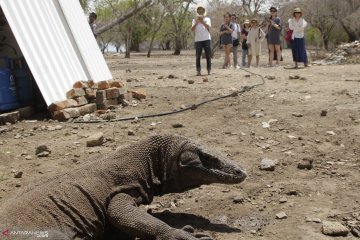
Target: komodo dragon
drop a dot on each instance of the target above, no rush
(82, 203)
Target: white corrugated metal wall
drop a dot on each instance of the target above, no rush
(57, 43)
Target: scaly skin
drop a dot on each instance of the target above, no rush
(82, 203)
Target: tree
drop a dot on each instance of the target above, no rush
(179, 13)
(347, 12)
(84, 4)
(119, 19)
(157, 19)
(252, 7)
(320, 14)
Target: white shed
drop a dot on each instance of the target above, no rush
(57, 43)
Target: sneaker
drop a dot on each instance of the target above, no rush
(209, 72)
(237, 66)
(198, 73)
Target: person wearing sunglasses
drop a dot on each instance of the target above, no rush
(273, 37)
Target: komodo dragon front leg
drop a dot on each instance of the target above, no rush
(123, 213)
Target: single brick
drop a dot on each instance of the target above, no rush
(81, 101)
(88, 108)
(116, 83)
(138, 93)
(66, 114)
(57, 106)
(11, 117)
(112, 93)
(90, 93)
(102, 85)
(122, 93)
(95, 140)
(80, 84)
(75, 92)
(100, 96)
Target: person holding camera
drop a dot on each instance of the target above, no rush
(255, 37)
(226, 31)
(273, 37)
(201, 27)
(235, 40)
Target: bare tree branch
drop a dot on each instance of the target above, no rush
(122, 18)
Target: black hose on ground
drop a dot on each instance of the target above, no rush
(192, 107)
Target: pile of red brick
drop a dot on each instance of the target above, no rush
(87, 97)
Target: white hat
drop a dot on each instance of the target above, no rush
(201, 6)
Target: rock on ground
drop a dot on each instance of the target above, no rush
(267, 165)
(95, 140)
(334, 229)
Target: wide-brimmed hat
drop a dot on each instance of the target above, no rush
(255, 20)
(201, 6)
(246, 22)
(297, 10)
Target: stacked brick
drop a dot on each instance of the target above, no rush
(87, 97)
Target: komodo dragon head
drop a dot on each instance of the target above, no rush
(191, 165)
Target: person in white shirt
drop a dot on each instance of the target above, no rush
(236, 40)
(201, 26)
(297, 24)
(255, 37)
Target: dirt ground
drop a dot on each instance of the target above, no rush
(332, 186)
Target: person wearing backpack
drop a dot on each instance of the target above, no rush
(254, 39)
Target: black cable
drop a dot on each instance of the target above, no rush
(192, 107)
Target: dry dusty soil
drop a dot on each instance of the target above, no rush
(236, 126)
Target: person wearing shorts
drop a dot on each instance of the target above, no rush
(273, 37)
(226, 40)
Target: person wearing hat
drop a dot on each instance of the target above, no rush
(297, 24)
(273, 37)
(201, 27)
(244, 33)
(254, 39)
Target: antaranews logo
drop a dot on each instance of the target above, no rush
(9, 233)
(6, 233)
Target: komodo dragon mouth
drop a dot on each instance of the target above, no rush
(236, 177)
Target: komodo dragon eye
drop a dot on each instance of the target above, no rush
(190, 159)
